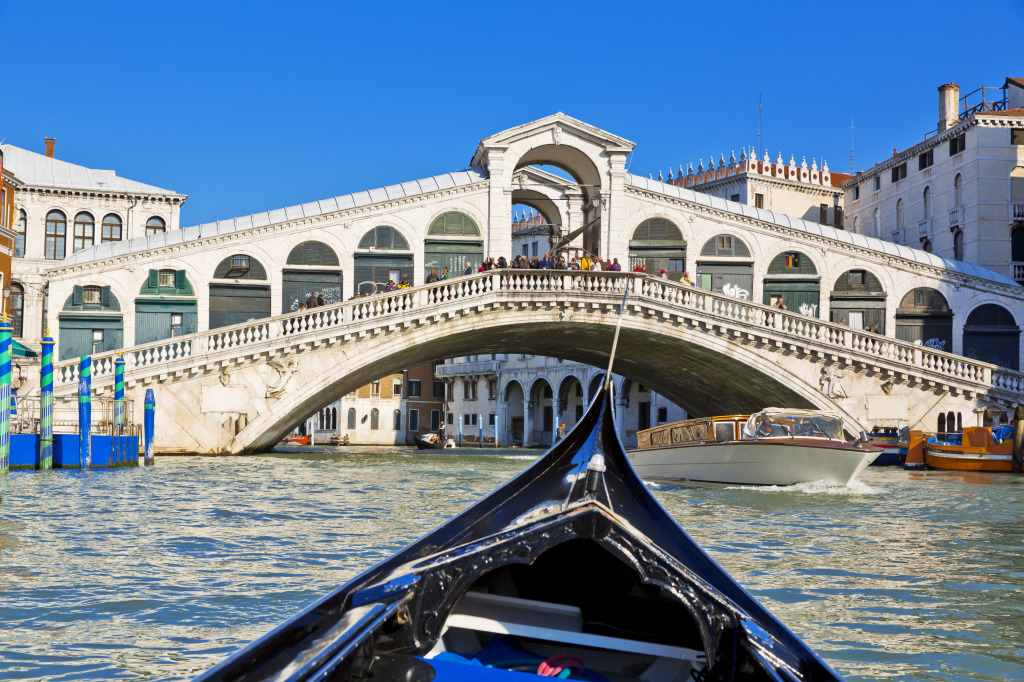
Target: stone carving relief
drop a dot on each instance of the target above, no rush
(285, 370)
(225, 378)
(831, 384)
(887, 386)
(556, 134)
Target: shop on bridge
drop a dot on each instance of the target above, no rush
(793, 279)
(239, 291)
(311, 267)
(858, 300)
(725, 266)
(659, 244)
(452, 239)
(165, 307)
(384, 255)
(90, 322)
(924, 317)
(992, 335)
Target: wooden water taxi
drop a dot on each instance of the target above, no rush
(977, 448)
(773, 447)
(886, 440)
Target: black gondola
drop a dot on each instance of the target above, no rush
(572, 564)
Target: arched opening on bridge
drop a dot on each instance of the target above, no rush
(541, 413)
(594, 386)
(453, 239)
(991, 335)
(571, 402)
(793, 279)
(166, 307)
(726, 266)
(538, 195)
(858, 300)
(382, 255)
(515, 413)
(239, 291)
(312, 267)
(658, 243)
(532, 232)
(924, 317)
(90, 322)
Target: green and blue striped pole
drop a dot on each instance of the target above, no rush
(149, 421)
(85, 413)
(5, 394)
(46, 405)
(118, 410)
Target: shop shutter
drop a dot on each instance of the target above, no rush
(232, 304)
(372, 271)
(296, 286)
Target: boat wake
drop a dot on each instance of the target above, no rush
(815, 488)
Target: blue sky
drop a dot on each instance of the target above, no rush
(252, 106)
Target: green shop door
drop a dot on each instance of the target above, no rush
(156, 320)
(89, 334)
(297, 285)
(799, 297)
(232, 304)
(452, 255)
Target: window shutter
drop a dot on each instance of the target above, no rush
(179, 279)
(105, 297)
(76, 295)
(154, 279)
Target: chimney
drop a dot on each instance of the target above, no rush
(50, 141)
(949, 105)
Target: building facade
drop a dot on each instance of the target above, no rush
(523, 399)
(8, 186)
(61, 208)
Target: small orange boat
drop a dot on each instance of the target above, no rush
(978, 448)
(296, 440)
(912, 448)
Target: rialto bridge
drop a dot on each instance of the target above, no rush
(207, 313)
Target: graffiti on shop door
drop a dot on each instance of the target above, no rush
(934, 344)
(736, 291)
(809, 309)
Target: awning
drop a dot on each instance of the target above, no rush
(22, 351)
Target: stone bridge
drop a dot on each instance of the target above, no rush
(241, 388)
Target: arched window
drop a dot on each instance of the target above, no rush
(85, 231)
(941, 423)
(657, 228)
(958, 191)
(312, 253)
(874, 223)
(926, 203)
(958, 245)
(899, 214)
(1017, 189)
(351, 418)
(453, 224)
(855, 224)
(926, 245)
(155, 225)
(20, 228)
(56, 234)
(111, 228)
(383, 238)
(17, 308)
(334, 418)
(396, 388)
(374, 419)
(398, 420)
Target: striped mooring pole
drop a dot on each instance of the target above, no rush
(85, 412)
(149, 421)
(46, 405)
(5, 394)
(119, 392)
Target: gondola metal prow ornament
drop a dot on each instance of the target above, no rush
(615, 341)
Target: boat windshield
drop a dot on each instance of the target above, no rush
(793, 424)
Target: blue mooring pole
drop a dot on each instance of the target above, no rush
(5, 395)
(480, 430)
(46, 405)
(150, 423)
(85, 413)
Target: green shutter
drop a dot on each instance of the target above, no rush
(179, 280)
(105, 297)
(153, 281)
(76, 295)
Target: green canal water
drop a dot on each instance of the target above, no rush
(158, 573)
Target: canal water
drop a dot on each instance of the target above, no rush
(158, 573)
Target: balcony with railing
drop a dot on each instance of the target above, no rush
(897, 237)
(478, 368)
(1017, 272)
(956, 217)
(924, 228)
(1016, 212)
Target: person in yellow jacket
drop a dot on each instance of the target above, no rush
(585, 263)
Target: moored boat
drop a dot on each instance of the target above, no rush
(912, 448)
(296, 440)
(976, 448)
(773, 447)
(887, 441)
(571, 568)
(434, 441)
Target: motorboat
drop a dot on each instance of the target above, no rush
(976, 448)
(775, 446)
(886, 440)
(571, 569)
(296, 440)
(434, 441)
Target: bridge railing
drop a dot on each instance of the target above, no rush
(392, 305)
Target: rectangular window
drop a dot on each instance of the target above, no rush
(675, 265)
(957, 144)
(435, 420)
(465, 390)
(899, 172)
(239, 262)
(839, 217)
(166, 278)
(526, 250)
(97, 341)
(856, 319)
(492, 389)
(91, 295)
(414, 388)
(472, 390)
(662, 415)
(375, 389)
(438, 389)
(856, 192)
(451, 418)
(414, 420)
(734, 197)
(758, 201)
(535, 248)
(856, 278)
(724, 244)
(925, 159)
(176, 319)
(823, 214)
(492, 419)
(1017, 136)
(792, 260)
(877, 183)
(644, 416)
